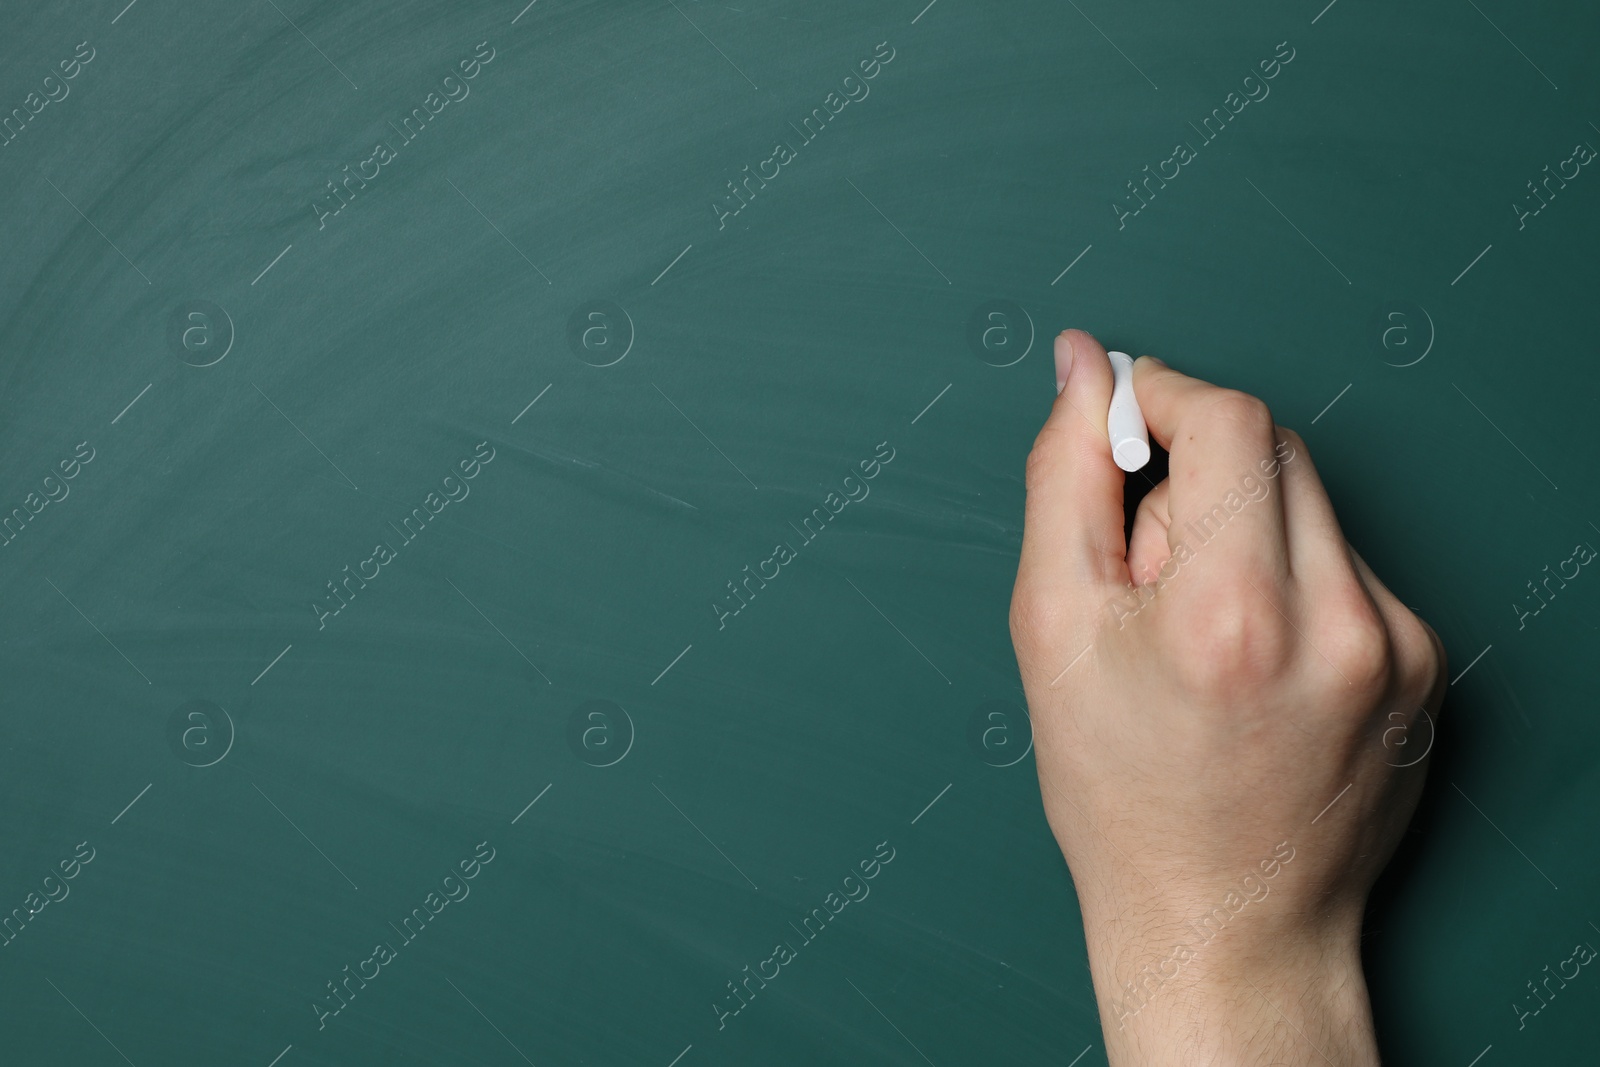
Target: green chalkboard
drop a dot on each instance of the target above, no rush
(509, 512)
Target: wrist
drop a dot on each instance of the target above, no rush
(1295, 996)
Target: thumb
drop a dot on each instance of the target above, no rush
(1073, 550)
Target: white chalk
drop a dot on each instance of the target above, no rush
(1130, 440)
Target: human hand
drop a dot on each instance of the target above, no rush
(1211, 701)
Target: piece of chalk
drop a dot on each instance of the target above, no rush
(1130, 441)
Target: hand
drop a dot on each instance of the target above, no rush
(1218, 705)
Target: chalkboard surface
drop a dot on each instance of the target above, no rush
(510, 511)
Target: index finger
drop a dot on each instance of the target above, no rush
(1223, 459)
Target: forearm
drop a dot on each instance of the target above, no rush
(1174, 1002)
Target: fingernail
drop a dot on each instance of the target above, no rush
(1064, 354)
(1157, 360)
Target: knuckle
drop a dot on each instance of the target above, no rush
(1248, 412)
(1037, 620)
(1046, 457)
(1420, 657)
(1238, 643)
(1356, 642)
(1441, 658)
